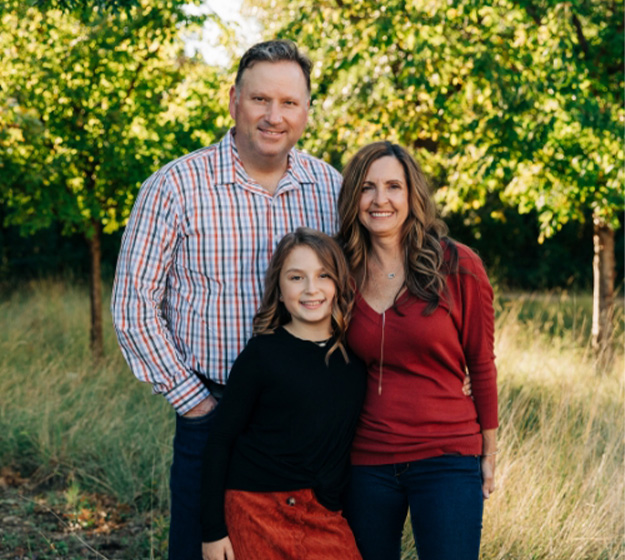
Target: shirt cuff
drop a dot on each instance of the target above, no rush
(187, 394)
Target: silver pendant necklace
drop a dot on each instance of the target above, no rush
(389, 275)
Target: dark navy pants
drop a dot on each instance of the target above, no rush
(443, 494)
(185, 531)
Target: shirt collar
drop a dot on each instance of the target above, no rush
(298, 169)
(230, 167)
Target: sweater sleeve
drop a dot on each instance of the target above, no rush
(478, 337)
(231, 417)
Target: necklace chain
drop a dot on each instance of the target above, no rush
(388, 275)
(321, 343)
(385, 286)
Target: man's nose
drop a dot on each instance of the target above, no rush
(274, 113)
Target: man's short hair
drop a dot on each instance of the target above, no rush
(273, 51)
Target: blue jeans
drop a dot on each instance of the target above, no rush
(185, 529)
(444, 495)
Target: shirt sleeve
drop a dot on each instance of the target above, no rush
(478, 338)
(231, 418)
(146, 255)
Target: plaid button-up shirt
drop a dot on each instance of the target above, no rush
(193, 258)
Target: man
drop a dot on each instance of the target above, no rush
(191, 268)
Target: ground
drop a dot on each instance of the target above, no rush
(39, 521)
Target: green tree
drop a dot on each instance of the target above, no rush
(69, 5)
(91, 103)
(507, 102)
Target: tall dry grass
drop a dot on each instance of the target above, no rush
(560, 468)
(61, 416)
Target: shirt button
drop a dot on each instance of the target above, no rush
(290, 501)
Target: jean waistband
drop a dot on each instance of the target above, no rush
(216, 389)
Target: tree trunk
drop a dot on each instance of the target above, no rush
(603, 292)
(95, 292)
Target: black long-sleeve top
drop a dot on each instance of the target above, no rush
(286, 422)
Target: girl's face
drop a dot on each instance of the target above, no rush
(307, 292)
(383, 206)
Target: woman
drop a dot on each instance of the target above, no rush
(423, 318)
(277, 458)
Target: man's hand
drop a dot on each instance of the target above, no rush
(466, 386)
(218, 550)
(203, 408)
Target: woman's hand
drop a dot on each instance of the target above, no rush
(489, 460)
(488, 475)
(218, 550)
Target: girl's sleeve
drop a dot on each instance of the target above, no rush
(231, 417)
(478, 338)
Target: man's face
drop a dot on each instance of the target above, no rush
(270, 112)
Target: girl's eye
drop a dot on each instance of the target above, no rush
(325, 275)
(366, 188)
(295, 277)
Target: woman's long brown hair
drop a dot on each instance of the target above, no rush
(423, 233)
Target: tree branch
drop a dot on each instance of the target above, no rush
(533, 13)
(580, 34)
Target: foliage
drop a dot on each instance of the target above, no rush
(69, 5)
(508, 102)
(90, 104)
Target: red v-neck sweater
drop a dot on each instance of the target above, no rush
(421, 411)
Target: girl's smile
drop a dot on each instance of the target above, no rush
(307, 291)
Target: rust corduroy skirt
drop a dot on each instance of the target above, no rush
(286, 526)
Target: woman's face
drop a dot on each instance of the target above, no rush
(383, 206)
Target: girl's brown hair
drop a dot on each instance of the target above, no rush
(272, 312)
(422, 234)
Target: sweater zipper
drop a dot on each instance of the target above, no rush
(382, 353)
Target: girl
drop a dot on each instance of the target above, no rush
(277, 459)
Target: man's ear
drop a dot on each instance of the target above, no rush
(233, 102)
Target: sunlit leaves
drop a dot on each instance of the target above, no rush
(506, 102)
(91, 104)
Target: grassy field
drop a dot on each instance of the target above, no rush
(85, 449)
